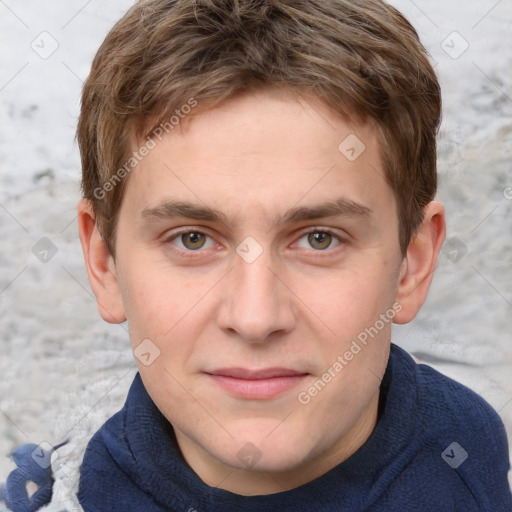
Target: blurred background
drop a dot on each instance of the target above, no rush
(63, 371)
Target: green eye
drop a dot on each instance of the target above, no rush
(193, 240)
(186, 242)
(319, 240)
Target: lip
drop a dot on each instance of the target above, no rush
(256, 384)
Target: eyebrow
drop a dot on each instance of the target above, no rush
(172, 209)
(339, 207)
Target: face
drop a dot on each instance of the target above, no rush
(261, 260)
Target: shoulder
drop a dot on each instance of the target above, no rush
(460, 435)
(444, 402)
(452, 407)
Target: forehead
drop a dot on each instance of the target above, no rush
(265, 153)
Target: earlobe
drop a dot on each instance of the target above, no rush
(100, 266)
(418, 266)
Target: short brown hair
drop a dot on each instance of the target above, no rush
(362, 58)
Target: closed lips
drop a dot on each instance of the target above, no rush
(256, 384)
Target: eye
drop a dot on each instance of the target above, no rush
(192, 240)
(319, 240)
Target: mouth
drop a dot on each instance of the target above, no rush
(256, 384)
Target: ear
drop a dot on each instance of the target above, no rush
(100, 266)
(419, 263)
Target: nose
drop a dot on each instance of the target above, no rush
(257, 305)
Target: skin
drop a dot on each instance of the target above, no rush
(298, 305)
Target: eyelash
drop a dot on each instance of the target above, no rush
(194, 254)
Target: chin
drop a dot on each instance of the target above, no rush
(268, 451)
(264, 461)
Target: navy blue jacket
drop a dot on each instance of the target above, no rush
(437, 446)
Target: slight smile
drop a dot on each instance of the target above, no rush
(256, 384)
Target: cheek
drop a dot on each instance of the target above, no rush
(144, 306)
(154, 299)
(350, 300)
(170, 311)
